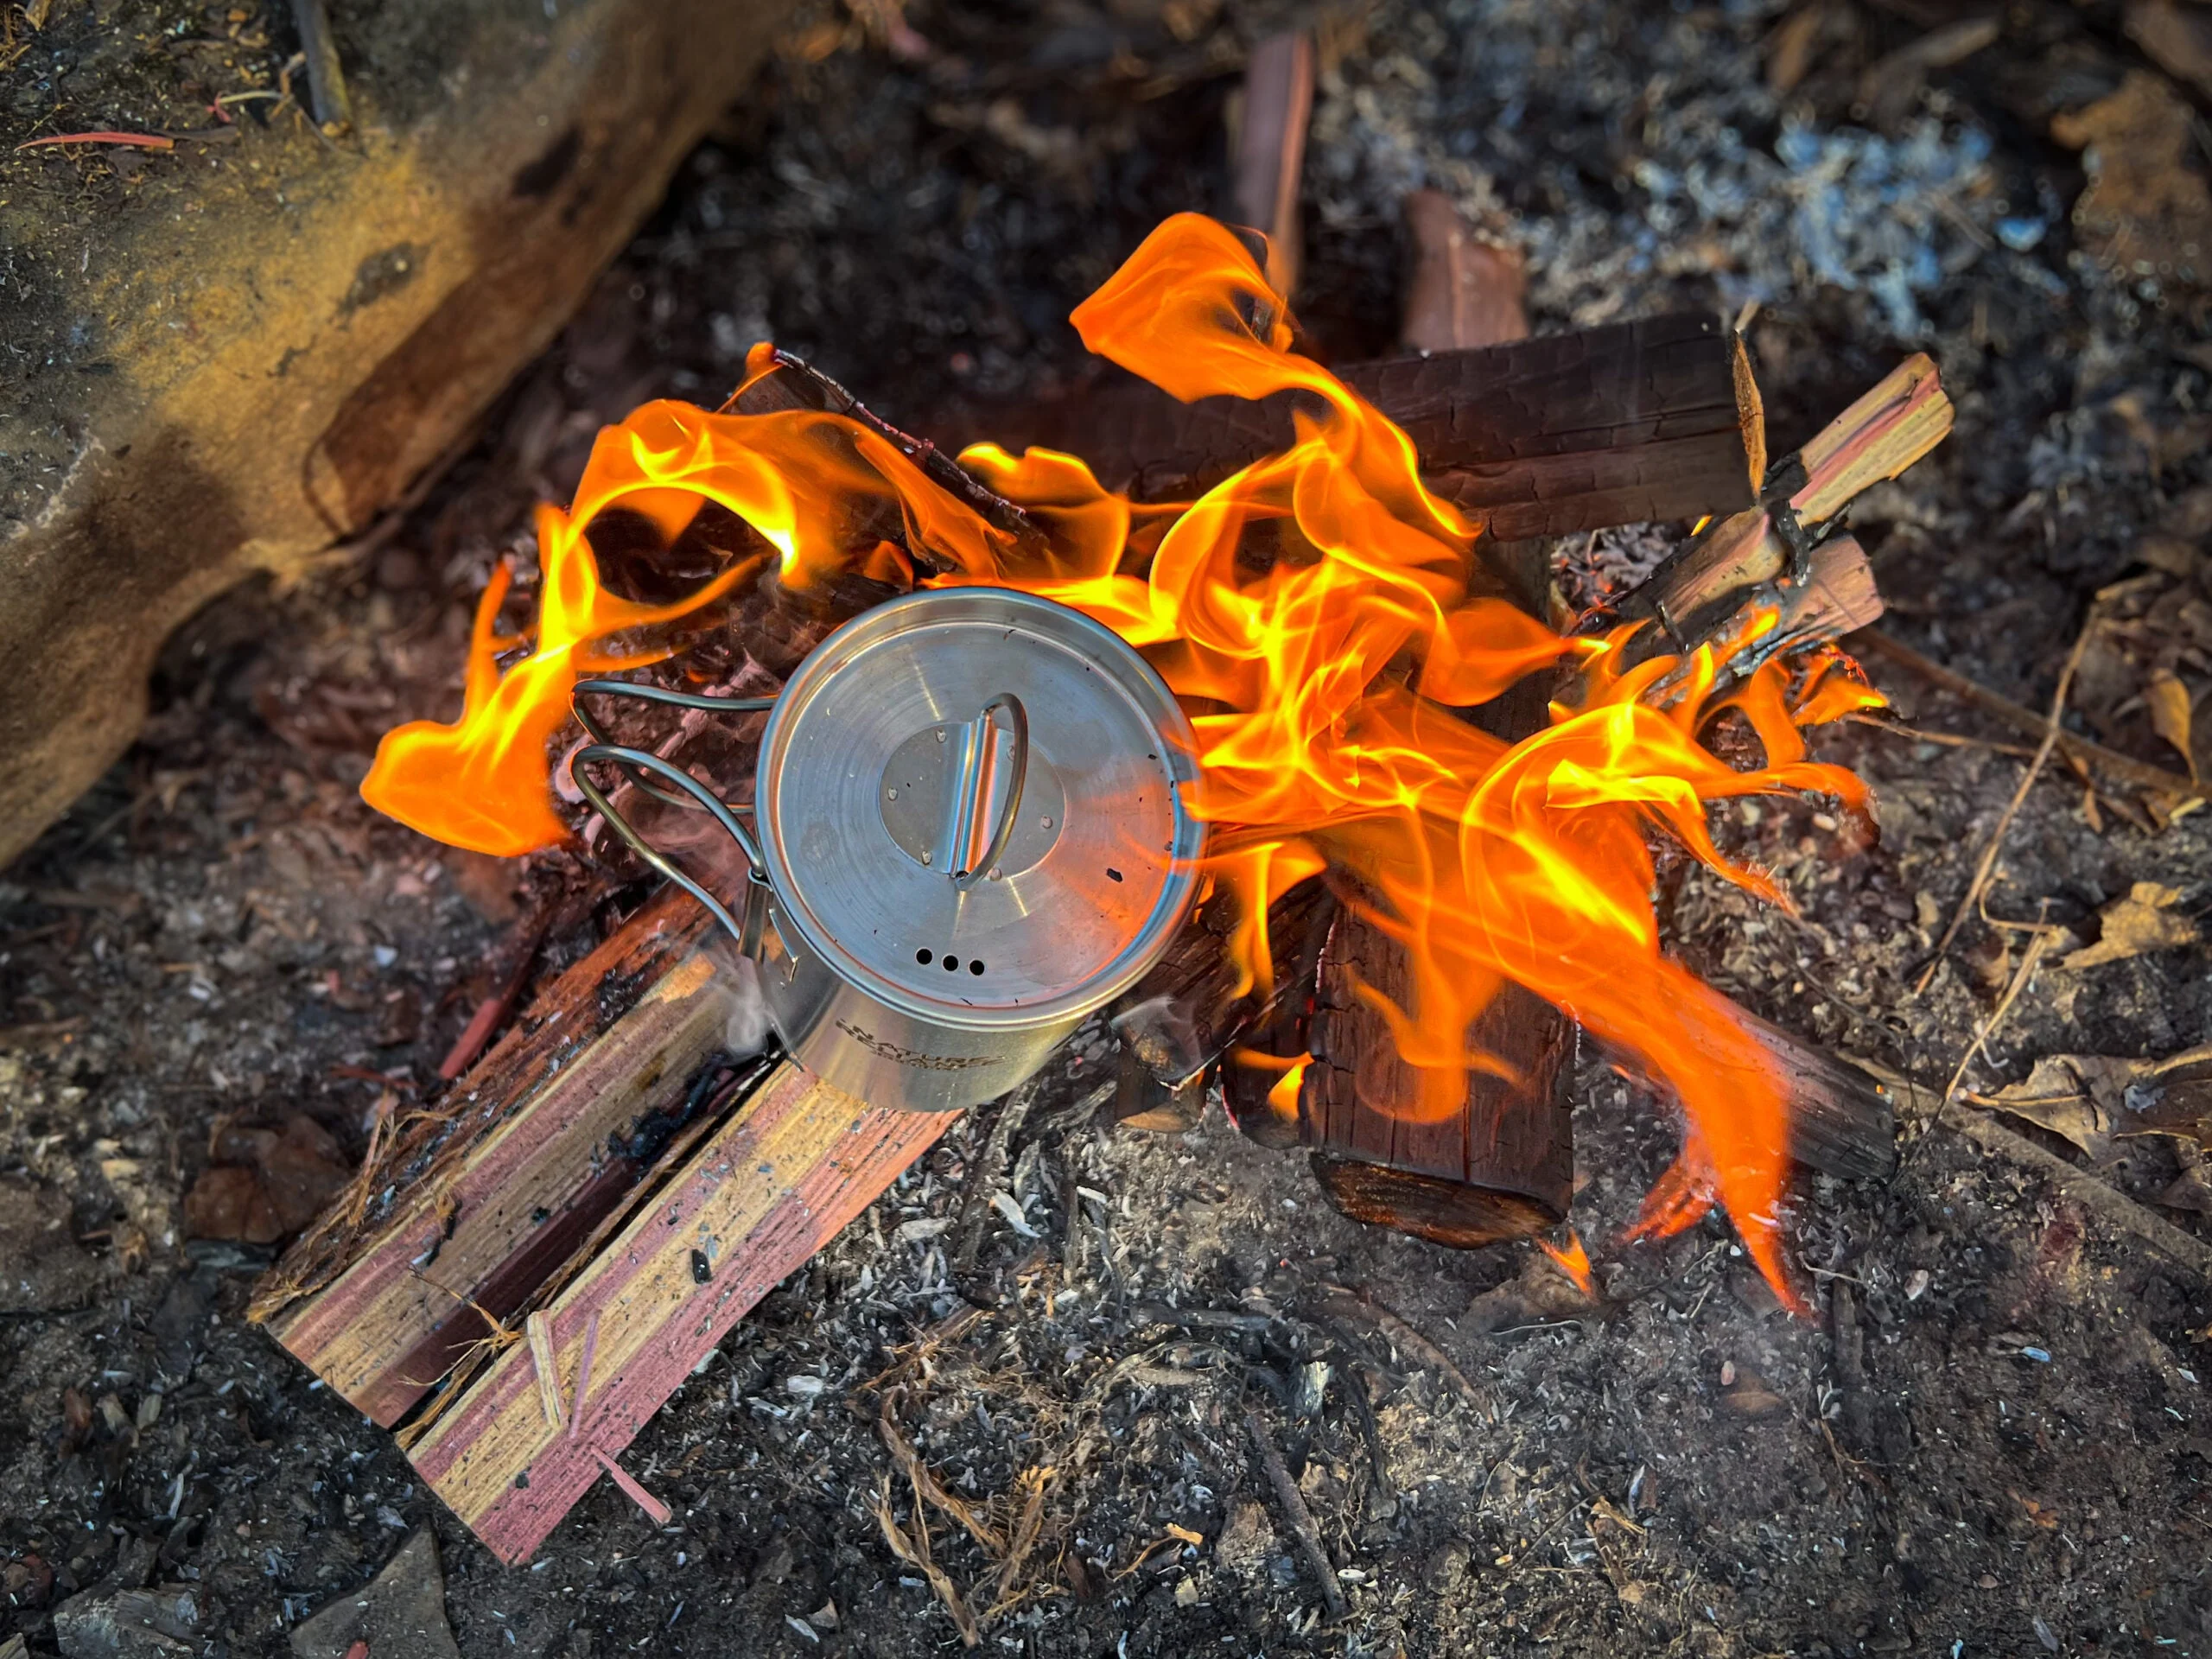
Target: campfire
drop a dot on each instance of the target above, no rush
(1327, 618)
(1281, 771)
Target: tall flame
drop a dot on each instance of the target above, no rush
(1325, 676)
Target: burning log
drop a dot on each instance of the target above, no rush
(1271, 149)
(1657, 419)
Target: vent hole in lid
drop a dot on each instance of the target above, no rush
(1114, 873)
(976, 968)
(922, 956)
(951, 964)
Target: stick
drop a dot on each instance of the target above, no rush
(2139, 772)
(539, 1329)
(1655, 419)
(583, 1374)
(2005, 823)
(656, 1511)
(1987, 1028)
(2082, 1187)
(1271, 149)
(1768, 546)
(1296, 1512)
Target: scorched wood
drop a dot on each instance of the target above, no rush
(1657, 419)
(476, 1206)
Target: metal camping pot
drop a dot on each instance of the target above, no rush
(971, 831)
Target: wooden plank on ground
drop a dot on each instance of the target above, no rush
(797, 1161)
(552, 1130)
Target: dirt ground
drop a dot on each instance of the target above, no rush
(1992, 1436)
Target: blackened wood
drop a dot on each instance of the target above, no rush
(1186, 1012)
(1655, 419)
(1842, 1121)
(1500, 1165)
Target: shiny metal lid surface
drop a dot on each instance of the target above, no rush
(889, 773)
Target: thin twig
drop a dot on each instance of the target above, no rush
(2142, 773)
(1988, 1027)
(1295, 1511)
(1346, 1302)
(2003, 823)
(914, 1556)
(927, 1484)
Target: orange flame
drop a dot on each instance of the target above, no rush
(1325, 676)
(1573, 1261)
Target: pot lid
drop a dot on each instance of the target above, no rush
(972, 805)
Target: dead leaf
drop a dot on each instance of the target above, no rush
(2146, 199)
(2054, 1097)
(2143, 921)
(2167, 699)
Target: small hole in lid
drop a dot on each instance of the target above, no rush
(1113, 874)
(952, 964)
(976, 968)
(922, 956)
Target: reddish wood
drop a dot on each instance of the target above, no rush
(1277, 104)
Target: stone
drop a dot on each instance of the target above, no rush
(129, 1625)
(401, 1610)
(230, 354)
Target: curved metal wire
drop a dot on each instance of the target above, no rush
(638, 693)
(747, 933)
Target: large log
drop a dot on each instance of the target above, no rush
(376, 290)
(1657, 419)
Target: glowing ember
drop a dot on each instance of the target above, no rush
(1327, 675)
(1573, 1261)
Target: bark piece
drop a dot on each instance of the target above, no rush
(382, 292)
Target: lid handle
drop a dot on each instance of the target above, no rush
(978, 781)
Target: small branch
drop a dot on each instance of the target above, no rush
(1346, 1303)
(1988, 1027)
(1295, 1511)
(2027, 782)
(2084, 1188)
(137, 140)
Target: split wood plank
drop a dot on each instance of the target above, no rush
(558, 1126)
(797, 1161)
(1271, 149)
(1655, 419)
(1710, 582)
